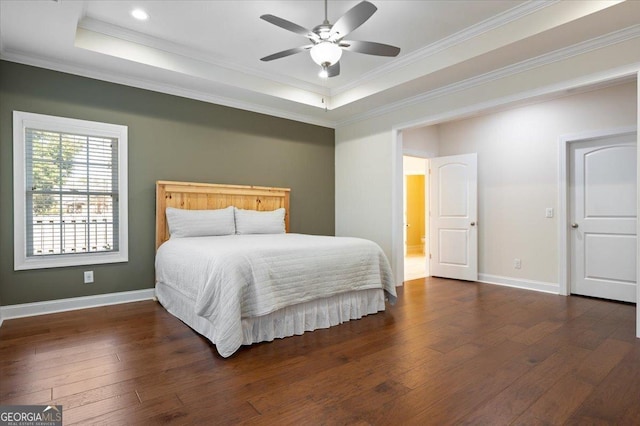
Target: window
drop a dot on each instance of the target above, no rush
(70, 192)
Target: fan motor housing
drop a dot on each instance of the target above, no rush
(323, 31)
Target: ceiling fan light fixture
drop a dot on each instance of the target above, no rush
(326, 53)
(327, 40)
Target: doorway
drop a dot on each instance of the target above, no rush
(415, 217)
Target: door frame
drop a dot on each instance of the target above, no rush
(564, 248)
(425, 155)
(397, 152)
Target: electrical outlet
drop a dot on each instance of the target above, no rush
(88, 277)
(517, 263)
(549, 212)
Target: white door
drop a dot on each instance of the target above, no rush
(453, 221)
(603, 217)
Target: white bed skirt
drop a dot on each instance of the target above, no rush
(289, 321)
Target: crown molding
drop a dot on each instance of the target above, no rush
(131, 36)
(48, 63)
(526, 65)
(542, 60)
(466, 34)
(489, 24)
(557, 90)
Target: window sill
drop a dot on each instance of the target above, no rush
(62, 261)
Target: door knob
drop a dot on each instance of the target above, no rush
(472, 224)
(574, 225)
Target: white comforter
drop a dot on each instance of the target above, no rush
(236, 276)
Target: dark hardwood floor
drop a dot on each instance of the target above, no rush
(448, 352)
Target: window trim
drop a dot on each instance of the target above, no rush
(23, 120)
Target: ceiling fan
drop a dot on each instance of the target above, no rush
(327, 41)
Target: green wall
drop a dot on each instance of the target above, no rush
(170, 138)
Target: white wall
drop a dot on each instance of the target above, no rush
(363, 169)
(367, 152)
(422, 141)
(518, 175)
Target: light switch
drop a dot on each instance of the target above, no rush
(549, 212)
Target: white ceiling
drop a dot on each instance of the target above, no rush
(210, 50)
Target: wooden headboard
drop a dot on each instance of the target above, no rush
(209, 196)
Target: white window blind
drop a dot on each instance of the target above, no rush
(72, 192)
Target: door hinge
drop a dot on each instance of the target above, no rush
(429, 255)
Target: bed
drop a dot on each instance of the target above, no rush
(231, 271)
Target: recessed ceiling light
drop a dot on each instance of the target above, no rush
(140, 14)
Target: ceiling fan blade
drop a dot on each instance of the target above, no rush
(370, 48)
(287, 25)
(287, 52)
(351, 20)
(333, 70)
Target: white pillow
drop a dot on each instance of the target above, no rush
(260, 222)
(200, 223)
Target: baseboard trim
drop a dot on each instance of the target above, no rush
(541, 286)
(72, 304)
(62, 305)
